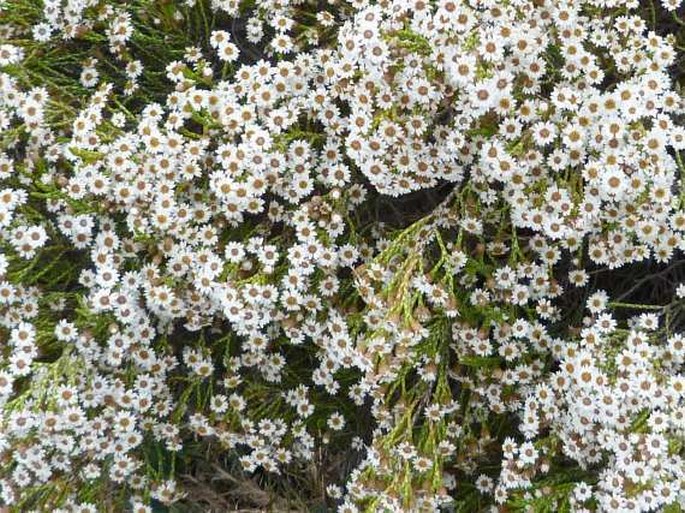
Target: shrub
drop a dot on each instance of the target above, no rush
(374, 256)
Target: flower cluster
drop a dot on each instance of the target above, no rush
(617, 398)
(194, 251)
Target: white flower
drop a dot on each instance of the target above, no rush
(679, 291)
(336, 421)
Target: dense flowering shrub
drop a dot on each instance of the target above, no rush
(203, 272)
